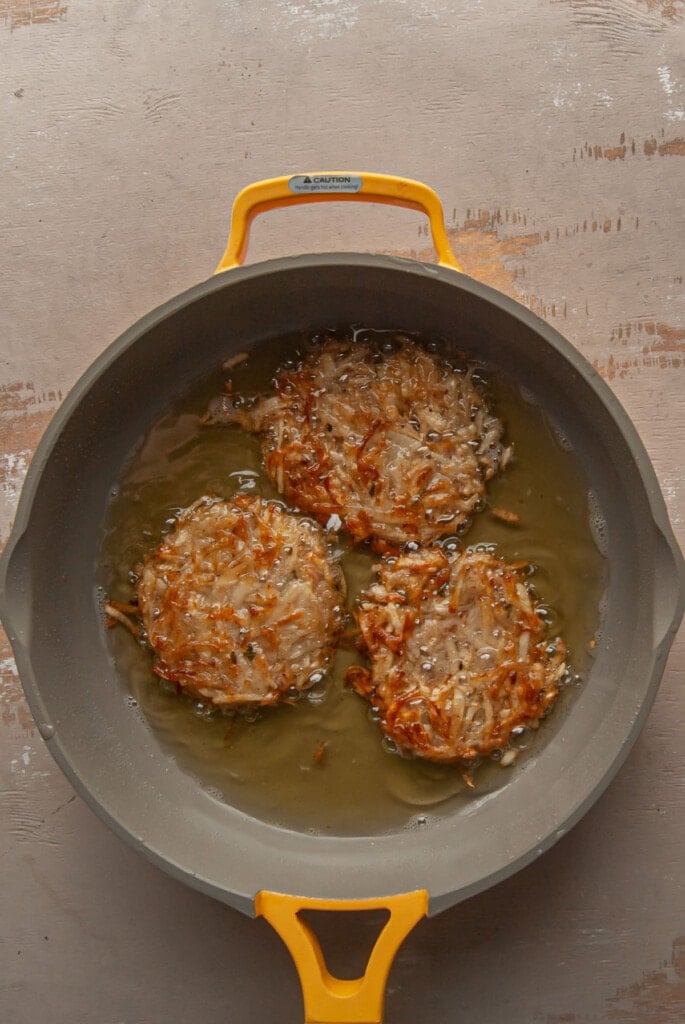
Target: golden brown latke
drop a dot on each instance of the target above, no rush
(241, 602)
(385, 439)
(459, 655)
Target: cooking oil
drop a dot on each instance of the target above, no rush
(320, 763)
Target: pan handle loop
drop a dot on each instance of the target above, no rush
(330, 1000)
(333, 186)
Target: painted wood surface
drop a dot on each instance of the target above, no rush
(554, 131)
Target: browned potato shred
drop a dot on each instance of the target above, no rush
(459, 656)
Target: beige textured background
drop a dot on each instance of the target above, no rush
(554, 131)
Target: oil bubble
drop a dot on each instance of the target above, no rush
(215, 793)
(598, 524)
(486, 656)
(528, 396)
(318, 688)
(561, 439)
(389, 745)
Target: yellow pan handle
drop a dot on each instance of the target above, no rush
(327, 187)
(329, 1000)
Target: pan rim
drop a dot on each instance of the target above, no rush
(562, 346)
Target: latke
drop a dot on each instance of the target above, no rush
(241, 602)
(459, 655)
(383, 438)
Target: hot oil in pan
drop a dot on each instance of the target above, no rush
(321, 764)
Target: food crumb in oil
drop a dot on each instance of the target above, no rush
(505, 516)
(320, 752)
(229, 364)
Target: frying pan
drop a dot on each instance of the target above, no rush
(49, 601)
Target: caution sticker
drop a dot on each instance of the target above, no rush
(325, 183)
